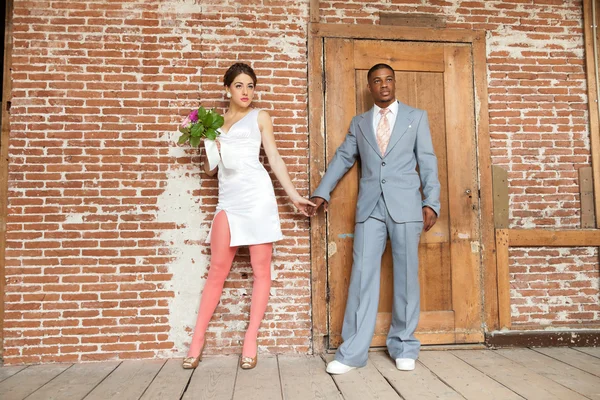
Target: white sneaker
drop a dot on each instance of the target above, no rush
(337, 368)
(405, 364)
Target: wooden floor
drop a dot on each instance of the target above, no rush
(547, 373)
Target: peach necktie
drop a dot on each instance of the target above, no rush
(383, 131)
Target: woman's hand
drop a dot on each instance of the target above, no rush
(303, 205)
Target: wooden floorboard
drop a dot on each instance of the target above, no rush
(364, 383)
(516, 377)
(214, 379)
(128, 381)
(304, 377)
(260, 383)
(22, 384)
(592, 351)
(507, 374)
(466, 380)
(420, 384)
(75, 383)
(573, 378)
(7, 372)
(574, 358)
(170, 383)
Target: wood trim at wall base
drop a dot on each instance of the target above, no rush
(527, 338)
(503, 276)
(553, 238)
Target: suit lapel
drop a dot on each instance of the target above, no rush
(366, 127)
(403, 122)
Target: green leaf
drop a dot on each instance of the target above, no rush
(201, 113)
(197, 130)
(184, 129)
(211, 134)
(183, 138)
(218, 122)
(194, 141)
(207, 120)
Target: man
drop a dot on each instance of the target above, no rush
(391, 139)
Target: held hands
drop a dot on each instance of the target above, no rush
(303, 205)
(429, 218)
(318, 202)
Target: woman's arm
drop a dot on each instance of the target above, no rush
(277, 164)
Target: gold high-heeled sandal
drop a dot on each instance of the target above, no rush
(192, 362)
(249, 362)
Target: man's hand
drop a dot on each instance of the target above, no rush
(318, 202)
(429, 218)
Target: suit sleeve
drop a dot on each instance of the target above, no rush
(344, 158)
(428, 167)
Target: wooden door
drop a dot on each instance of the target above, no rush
(436, 77)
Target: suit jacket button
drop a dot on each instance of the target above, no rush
(383, 181)
(383, 163)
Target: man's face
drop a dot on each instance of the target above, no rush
(382, 85)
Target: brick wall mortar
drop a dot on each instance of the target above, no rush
(107, 217)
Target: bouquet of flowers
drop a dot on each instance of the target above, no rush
(200, 124)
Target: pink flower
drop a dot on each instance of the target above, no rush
(193, 116)
(186, 122)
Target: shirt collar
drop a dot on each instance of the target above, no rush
(392, 107)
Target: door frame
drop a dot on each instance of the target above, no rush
(4, 139)
(317, 32)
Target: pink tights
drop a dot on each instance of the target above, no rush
(221, 258)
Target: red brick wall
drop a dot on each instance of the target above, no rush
(107, 218)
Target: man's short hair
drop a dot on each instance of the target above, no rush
(379, 66)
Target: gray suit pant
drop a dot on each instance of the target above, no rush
(363, 294)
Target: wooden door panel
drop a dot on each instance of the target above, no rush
(425, 91)
(422, 90)
(463, 193)
(402, 56)
(339, 111)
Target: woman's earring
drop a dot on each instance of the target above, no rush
(228, 95)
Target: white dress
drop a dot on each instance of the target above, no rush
(245, 189)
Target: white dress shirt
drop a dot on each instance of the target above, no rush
(391, 116)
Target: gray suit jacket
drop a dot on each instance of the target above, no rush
(394, 174)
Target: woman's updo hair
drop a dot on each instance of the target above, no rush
(238, 69)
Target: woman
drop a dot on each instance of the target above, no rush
(247, 209)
